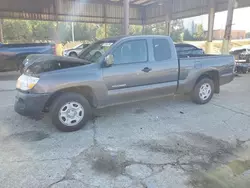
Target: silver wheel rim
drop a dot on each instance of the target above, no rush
(205, 91)
(71, 113)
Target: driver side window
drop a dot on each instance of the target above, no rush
(131, 52)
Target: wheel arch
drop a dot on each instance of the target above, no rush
(72, 52)
(86, 91)
(213, 75)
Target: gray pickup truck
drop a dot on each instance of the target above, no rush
(112, 71)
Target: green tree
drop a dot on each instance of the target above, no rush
(114, 30)
(187, 36)
(155, 29)
(177, 30)
(17, 31)
(42, 30)
(199, 34)
(100, 31)
(135, 30)
(84, 31)
(64, 32)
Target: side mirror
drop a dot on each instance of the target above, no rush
(109, 60)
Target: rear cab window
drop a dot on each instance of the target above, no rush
(186, 50)
(162, 49)
(183, 50)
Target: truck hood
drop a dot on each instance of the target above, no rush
(36, 64)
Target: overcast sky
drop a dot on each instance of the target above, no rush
(241, 20)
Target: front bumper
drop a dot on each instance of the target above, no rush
(31, 105)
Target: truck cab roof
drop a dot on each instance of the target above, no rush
(133, 37)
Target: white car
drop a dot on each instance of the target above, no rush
(74, 52)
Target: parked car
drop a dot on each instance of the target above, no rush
(188, 50)
(242, 58)
(132, 68)
(12, 55)
(74, 52)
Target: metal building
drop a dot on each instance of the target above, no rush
(139, 12)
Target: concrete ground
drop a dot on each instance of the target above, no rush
(161, 143)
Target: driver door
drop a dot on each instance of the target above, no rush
(128, 72)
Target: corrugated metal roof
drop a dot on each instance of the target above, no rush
(107, 11)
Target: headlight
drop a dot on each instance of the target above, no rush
(65, 53)
(25, 82)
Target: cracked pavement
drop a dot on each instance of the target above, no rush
(159, 143)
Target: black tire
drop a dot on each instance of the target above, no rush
(248, 60)
(195, 95)
(64, 99)
(244, 70)
(73, 54)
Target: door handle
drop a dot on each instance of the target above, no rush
(146, 69)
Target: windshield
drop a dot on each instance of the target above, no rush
(78, 46)
(95, 51)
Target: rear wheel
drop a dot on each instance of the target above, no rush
(248, 60)
(244, 70)
(70, 112)
(203, 91)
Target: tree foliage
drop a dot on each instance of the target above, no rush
(44, 31)
(187, 36)
(177, 30)
(85, 31)
(199, 34)
(155, 29)
(16, 30)
(135, 30)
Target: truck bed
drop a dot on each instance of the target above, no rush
(190, 67)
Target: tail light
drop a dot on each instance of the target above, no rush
(54, 49)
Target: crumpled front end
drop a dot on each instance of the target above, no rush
(36, 64)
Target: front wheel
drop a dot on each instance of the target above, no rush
(70, 112)
(73, 54)
(203, 91)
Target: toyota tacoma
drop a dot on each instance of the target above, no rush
(112, 71)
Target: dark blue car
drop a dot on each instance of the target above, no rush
(12, 55)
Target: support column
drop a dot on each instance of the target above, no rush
(143, 18)
(73, 31)
(105, 30)
(104, 20)
(168, 18)
(211, 15)
(143, 30)
(1, 30)
(167, 25)
(59, 46)
(227, 35)
(126, 16)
